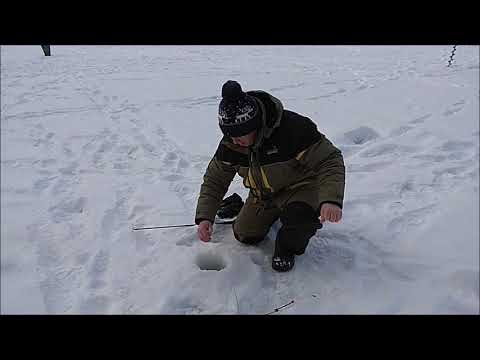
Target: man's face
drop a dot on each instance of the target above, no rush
(245, 140)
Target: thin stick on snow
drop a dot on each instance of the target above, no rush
(281, 307)
(238, 306)
(162, 227)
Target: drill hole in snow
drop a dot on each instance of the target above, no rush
(209, 261)
(361, 135)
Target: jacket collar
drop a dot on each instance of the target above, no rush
(272, 111)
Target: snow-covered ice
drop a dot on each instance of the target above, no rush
(98, 139)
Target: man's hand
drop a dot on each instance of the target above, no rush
(205, 230)
(330, 212)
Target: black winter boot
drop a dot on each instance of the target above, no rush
(282, 261)
(299, 224)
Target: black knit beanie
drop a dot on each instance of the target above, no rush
(238, 113)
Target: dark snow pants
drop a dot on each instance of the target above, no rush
(298, 210)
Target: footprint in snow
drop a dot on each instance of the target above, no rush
(259, 258)
(173, 177)
(362, 87)
(387, 149)
(99, 264)
(420, 119)
(82, 259)
(360, 135)
(353, 141)
(188, 239)
(104, 148)
(182, 163)
(144, 241)
(65, 209)
(44, 141)
(454, 109)
(48, 162)
(456, 145)
(95, 305)
(465, 282)
(368, 167)
(412, 218)
(139, 210)
(170, 156)
(430, 158)
(448, 173)
(400, 131)
(121, 166)
(40, 185)
(70, 169)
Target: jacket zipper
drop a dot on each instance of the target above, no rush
(258, 180)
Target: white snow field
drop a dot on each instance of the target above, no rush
(98, 139)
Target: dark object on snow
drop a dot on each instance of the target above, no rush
(283, 263)
(230, 206)
(175, 226)
(280, 308)
(46, 49)
(451, 56)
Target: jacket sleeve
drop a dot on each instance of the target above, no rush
(216, 181)
(325, 161)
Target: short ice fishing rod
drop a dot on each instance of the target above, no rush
(183, 225)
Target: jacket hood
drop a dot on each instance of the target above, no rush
(272, 112)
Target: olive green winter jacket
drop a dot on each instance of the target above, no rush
(288, 152)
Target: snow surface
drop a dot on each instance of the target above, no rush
(98, 139)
